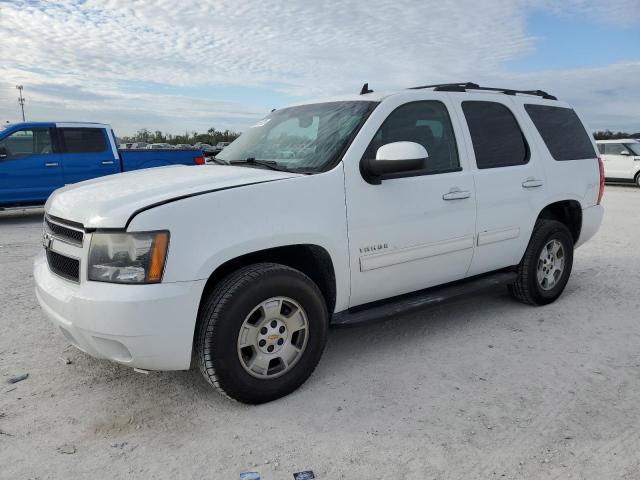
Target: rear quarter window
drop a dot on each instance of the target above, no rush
(562, 132)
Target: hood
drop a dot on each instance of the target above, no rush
(109, 202)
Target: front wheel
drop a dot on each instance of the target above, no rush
(261, 332)
(546, 266)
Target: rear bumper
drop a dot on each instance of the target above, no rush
(591, 220)
(143, 326)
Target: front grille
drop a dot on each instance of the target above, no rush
(66, 267)
(64, 233)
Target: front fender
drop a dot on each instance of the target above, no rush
(211, 229)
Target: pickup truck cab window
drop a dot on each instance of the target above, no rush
(309, 138)
(495, 134)
(83, 140)
(426, 123)
(23, 143)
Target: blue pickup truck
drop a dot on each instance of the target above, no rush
(38, 157)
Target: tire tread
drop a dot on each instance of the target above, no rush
(522, 288)
(211, 313)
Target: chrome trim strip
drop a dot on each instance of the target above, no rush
(410, 254)
(493, 236)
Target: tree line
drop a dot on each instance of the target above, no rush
(212, 136)
(609, 135)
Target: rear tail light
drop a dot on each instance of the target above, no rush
(199, 160)
(601, 168)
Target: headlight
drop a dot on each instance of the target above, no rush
(128, 257)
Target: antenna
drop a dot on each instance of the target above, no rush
(365, 89)
(21, 99)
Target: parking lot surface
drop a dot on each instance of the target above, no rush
(481, 388)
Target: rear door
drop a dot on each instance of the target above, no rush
(31, 169)
(88, 153)
(509, 179)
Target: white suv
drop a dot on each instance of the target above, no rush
(339, 212)
(621, 159)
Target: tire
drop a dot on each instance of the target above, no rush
(638, 180)
(241, 307)
(528, 288)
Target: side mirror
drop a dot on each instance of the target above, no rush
(3, 153)
(625, 152)
(393, 158)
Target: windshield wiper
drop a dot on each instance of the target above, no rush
(219, 161)
(271, 164)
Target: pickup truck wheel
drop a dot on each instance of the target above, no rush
(545, 268)
(261, 332)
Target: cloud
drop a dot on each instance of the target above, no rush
(80, 59)
(607, 97)
(620, 12)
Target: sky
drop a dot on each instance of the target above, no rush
(190, 65)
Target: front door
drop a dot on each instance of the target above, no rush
(417, 230)
(30, 169)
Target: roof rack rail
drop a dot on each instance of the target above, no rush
(463, 87)
(451, 87)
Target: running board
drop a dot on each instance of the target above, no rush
(412, 302)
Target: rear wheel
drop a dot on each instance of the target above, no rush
(638, 180)
(546, 266)
(261, 332)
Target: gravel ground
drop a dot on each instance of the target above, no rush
(481, 388)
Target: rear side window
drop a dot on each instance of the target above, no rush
(562, 132)
(495, 134)
(83, 140)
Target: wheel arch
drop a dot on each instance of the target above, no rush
(568, 212)
(312, 260)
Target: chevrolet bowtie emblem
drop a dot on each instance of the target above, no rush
(46, 240)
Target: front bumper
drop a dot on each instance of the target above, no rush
(144, 326)
(591, 221)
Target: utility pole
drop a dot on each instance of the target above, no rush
(21, 100)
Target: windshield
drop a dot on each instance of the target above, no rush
(633, 148)
(306, 138)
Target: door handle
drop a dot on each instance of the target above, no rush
(456, 194)
(107, 162)
(51, 164)
(532, 183)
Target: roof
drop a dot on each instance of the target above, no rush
(58, 124)
(468, 88)
(619, 140)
